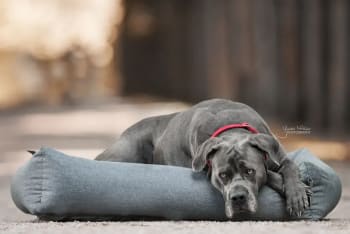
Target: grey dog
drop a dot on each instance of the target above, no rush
(237, 160)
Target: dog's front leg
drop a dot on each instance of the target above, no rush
(296, 192)
(275, 181)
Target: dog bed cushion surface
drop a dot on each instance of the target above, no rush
(56, 186)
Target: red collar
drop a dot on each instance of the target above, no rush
(231, 126)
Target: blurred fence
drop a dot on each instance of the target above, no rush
(287, 58)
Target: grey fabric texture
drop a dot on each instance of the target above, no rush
(55, 186)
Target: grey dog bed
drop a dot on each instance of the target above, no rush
(54, 186)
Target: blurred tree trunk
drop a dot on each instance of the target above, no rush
(313, 67)
(338, 71)
(217, 44)
(265, 26)
(289, 55)
(241, 49)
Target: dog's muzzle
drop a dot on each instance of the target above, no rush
(239, 200)
(239, 197)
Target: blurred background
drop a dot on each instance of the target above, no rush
(75, 73)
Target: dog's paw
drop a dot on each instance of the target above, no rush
(297, 198)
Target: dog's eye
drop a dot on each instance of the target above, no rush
(250, 171)
(223, 175)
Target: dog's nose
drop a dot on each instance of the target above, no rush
(239, 197)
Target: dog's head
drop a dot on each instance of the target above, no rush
(237, 168)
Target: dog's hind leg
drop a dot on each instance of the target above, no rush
(127, 150)
(136, 144)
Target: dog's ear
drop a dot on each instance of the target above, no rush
(268, 145)
(205, 151)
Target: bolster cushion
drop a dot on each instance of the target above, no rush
(55, 186)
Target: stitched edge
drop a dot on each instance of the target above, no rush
(41, 161)
(306, 178)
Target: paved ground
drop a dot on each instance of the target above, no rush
(85, 131)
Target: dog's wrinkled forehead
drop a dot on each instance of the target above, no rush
(234, 151)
